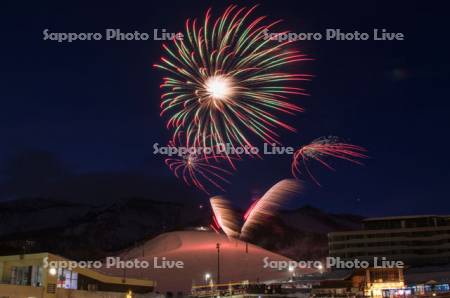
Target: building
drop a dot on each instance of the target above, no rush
(368, 282)
(236, 289)
(428, 280)
(330, 283)
(378, 280)
(30, 275)
(415, 240)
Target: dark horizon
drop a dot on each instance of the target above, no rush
(92, 108)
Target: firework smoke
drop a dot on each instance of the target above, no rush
(226, 217)
(269, 204)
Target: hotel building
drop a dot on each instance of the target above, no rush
(415, 240)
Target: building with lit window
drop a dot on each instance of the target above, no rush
(28, 276)
(368, 282)
(415, 240)
(378, 280)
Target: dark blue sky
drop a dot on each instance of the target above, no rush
(95, 104)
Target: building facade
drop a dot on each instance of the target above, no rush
(28, 276)
(369, 282)
(415, 240)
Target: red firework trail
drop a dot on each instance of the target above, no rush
(249, 210)
(322, 148)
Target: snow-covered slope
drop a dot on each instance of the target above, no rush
(197, 251)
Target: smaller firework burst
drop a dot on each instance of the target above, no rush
(204, 168)
(200, 171)
(322, 148)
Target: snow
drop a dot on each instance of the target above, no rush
(197, 250)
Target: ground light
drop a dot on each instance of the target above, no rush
(52, 271)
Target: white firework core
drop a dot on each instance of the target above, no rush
(218, 87)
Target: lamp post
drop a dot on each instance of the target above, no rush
(218, 262)
(292, 271)
(320, 267)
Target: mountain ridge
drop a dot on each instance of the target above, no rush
(91, 231)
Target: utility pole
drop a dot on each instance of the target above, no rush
(218, 262)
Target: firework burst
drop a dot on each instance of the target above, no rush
(225, 80)
(198, 171)
(321, 149)
(196, 168)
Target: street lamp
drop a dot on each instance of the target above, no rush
(52, 271)
(320, 267)
(218, 262)
(207, 276)
(292, 271)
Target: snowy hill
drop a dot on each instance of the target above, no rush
(197, 251)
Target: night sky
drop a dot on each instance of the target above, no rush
(94, 105)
